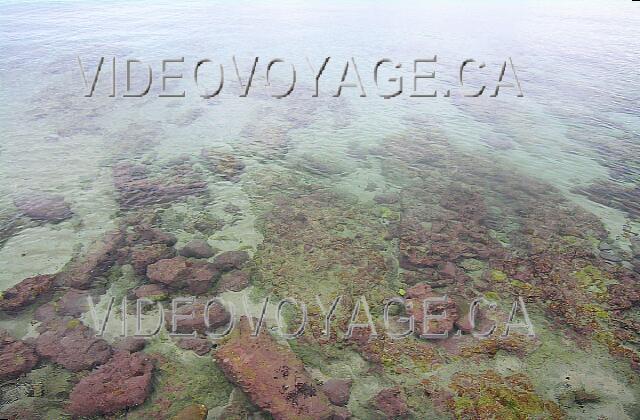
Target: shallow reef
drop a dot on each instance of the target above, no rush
(429, 221)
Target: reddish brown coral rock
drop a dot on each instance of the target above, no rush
(201, 276)
(72, 345)
(44, 207)
(338, 391)
(417, 294)
(179, 272)
(199, 346)
(123, 382)
(145, 234)
(197, 248)
(218, 317)
(142, 257)
(137, 189)
(171, 272)
(227, 166)
(16, 357)
(391, 402)
(98, 260)
(230, 260)
(26, 292)
(233, 281)
(272, 376)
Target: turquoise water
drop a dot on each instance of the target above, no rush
(575, 132)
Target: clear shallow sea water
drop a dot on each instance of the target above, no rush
(577, 125)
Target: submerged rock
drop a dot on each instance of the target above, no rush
(143, 256)
(26, 292)
(391, 402)
(72, 304)
(605, 246)
(610, 256)
(338, 391)
(448, 270)
(227, 166)
(201, 276)
(101, 256)
(145, 234)
(150, 291)
(578, 396)
(16, 357)
(73, 345)
(192, 412)
(180, 272)
(122, 383)
(233, 281)
(272, 376)
(417, 294)
(130, 344)
(232, 209)
(613, 194)
(230, 260)
(44, 207)
(171, 272)
(388, 198)
(199, 346)
(218, 317)
(137, 189)
(197, 248)
(635, 246)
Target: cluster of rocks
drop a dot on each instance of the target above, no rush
(115, 377)
(436, 252)
(118, 376)
(195, 275)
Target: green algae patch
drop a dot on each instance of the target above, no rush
(323, 244)
(498, 276)
(41, 393)
(51, 381)
(493, 296)
(596, 310)
(181, 379)
(489, 395)
(388, 214)
(593, 281)
(122, 279)
(472, 264)
(73, 323)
